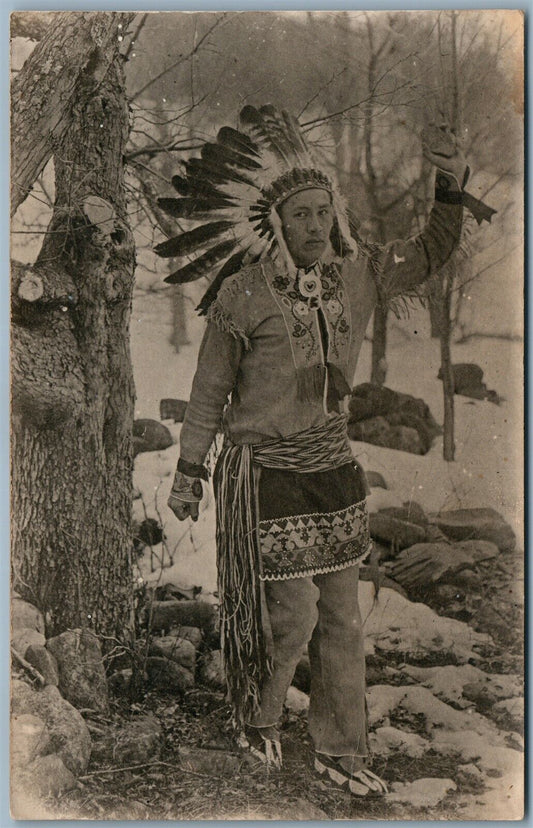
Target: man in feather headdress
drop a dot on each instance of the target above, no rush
(286, 317)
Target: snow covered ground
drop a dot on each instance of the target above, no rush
(489, 453)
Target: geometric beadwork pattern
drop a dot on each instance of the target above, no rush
(301, 545)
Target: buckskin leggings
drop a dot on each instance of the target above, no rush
(321, 612)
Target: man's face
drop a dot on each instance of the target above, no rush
(307, 219)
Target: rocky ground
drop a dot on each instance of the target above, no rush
(445, 710)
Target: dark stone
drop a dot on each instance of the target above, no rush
(24, 638)
(175, 649)
(168, 675)
(425, 434)
(133, 742)
(82, 679)
(465, 375)
(69, 736)
(150, 435)
(168, 614)
(399, 533)
(170, 409)
(411, 512)
(192, 634)
(381, 398)
(359, 409)
(149, 532)
(425, 564)
(375, 480)
(43, 661)
(477, 524)
(379, 432)
(169, 591)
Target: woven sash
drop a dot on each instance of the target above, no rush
(321, 448)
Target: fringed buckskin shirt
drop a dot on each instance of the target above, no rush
(283, 348)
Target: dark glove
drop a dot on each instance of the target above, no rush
(185, 496)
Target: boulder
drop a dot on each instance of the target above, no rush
(148, 533)
(212, 669)
(69, 736)
(424, 564)
(359, 409)
(381, 398)
(170, 409)
(398, 533)
(411, 512)
(192, 634)
(45, 776)
(43, 661)
(176, 649)
(150, 435)
(29, 738)
(422, 793)
(82, 679)
(168, 614)
(477, 524)
(134, 742)
(120, 681)
(410, 421)
(169, 591)
(25, 616)
(379, 579)
(379, 432)
(465, 375)
(375, 480)
(24, 637)
(168, 675)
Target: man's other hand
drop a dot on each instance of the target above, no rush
(185, 496)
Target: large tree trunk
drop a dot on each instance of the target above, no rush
(72, 380)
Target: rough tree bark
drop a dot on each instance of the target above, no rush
(71, 371)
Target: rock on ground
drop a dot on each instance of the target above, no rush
(477, 524)
(150, 435)
(26, 637)
(212, 669)
(69, 736)
(133, 742)
(45, 776)
(422, 793)
(168, 675)
(82, 679)
(43, 661)
(24, 614)
(176, 649)
(29, 738)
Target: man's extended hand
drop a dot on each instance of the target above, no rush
(441, 147)
(185, 496)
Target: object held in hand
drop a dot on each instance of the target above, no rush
(441, 141)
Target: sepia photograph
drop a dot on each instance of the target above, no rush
(267, 415)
